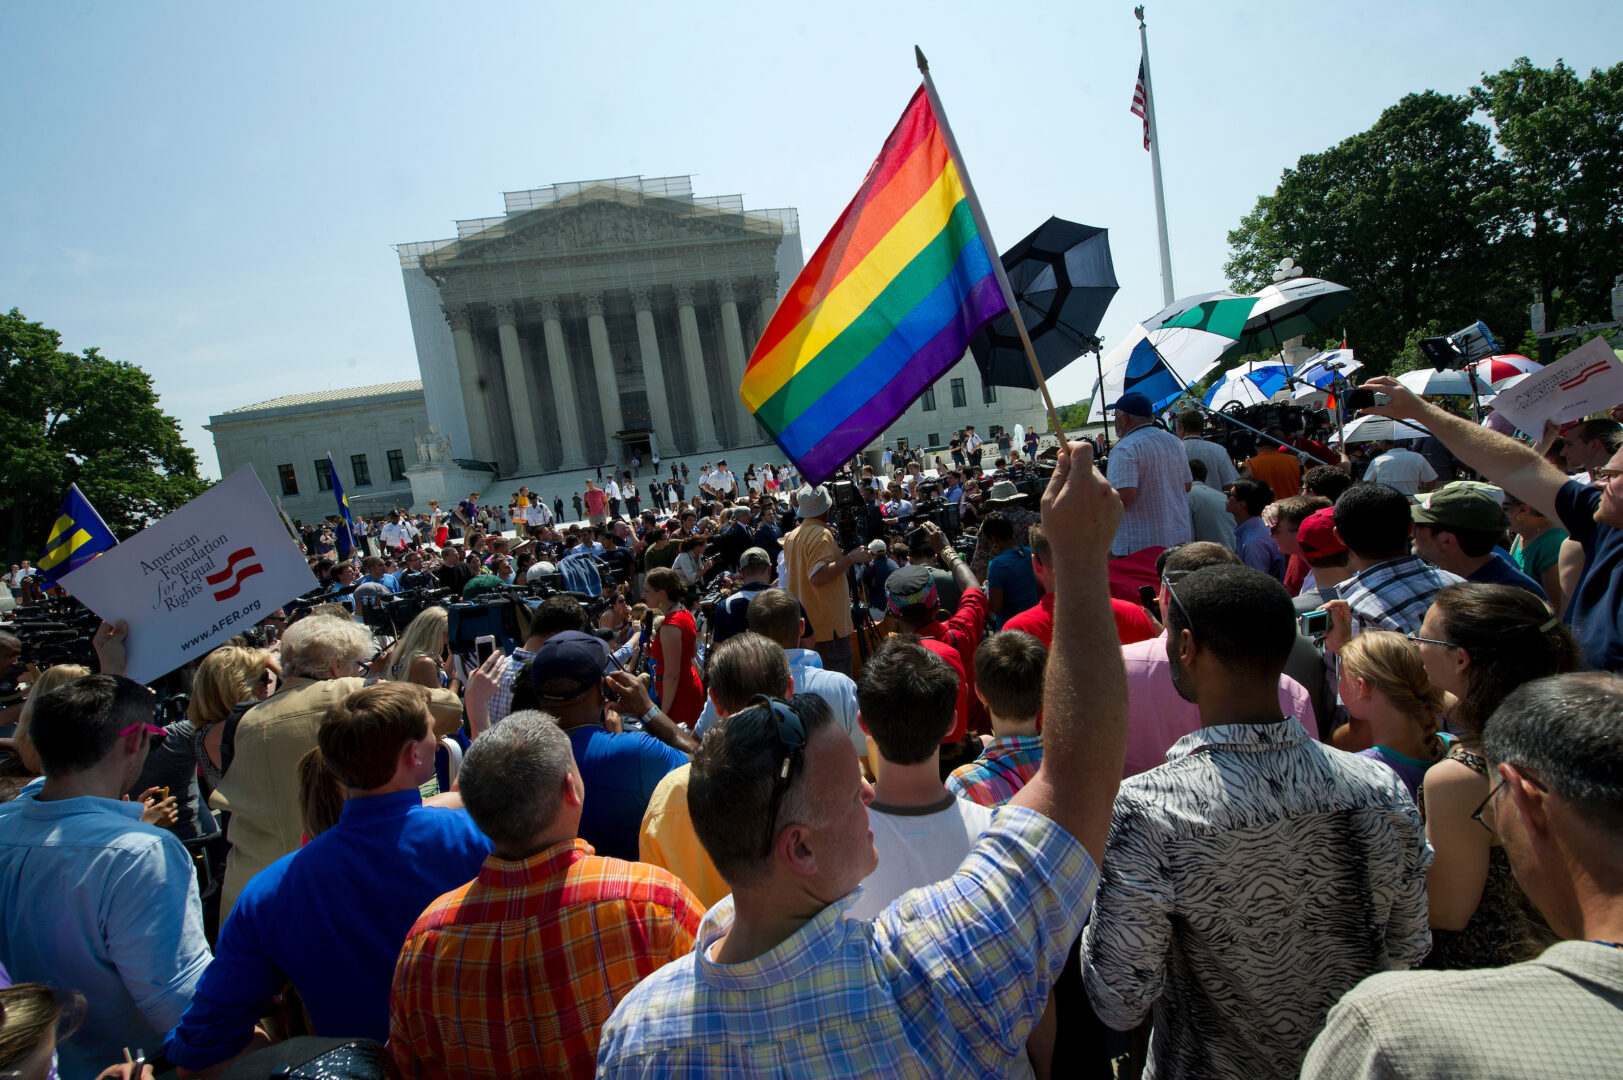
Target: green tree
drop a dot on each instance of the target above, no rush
(1561, 185)
(1405, 214)
(84, 419)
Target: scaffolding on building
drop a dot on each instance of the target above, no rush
(668, 194)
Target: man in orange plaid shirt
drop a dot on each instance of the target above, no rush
(580, 929)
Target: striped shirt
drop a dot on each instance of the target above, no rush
(1002, 769)
(947, 981)
(514, 973)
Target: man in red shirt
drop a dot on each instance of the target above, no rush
(1277, 467)
(597, 504)
(911, 600)
(1133, 623)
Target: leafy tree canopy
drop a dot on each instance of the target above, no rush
(70, 418)
(1456, 208)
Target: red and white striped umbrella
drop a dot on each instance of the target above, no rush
(1496, 369)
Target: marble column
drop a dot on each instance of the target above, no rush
(766, 298)
(473, 394)
(732, 337)
(565, 405)
(526, 438)
(608, 392)
(653, 375)
(704, 428)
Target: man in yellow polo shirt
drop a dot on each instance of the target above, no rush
(815, 572)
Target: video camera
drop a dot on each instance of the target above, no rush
(1460, 348)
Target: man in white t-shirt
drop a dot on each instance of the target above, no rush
(907, 701)
(538, 513)
(1401, 469)
(612, 490)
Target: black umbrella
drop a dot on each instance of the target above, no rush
(1063, 281)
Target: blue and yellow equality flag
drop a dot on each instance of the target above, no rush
(78, 536)
(346, 526)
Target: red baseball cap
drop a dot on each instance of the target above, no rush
(1317, 534)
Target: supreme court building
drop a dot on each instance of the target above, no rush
(589, 323)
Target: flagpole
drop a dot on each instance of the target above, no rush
(1155, 161)
(986, 236)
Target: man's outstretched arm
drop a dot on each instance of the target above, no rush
(1085, 690)
(1512, 465)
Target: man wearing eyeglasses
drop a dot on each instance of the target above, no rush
(1556, 745)
(92, 899)
(950, 979)
(1593, 515)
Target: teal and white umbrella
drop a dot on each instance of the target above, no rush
(1177, 346)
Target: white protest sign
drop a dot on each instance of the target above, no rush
(195, 579)
(1588, 379)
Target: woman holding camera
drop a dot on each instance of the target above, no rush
(676, 640)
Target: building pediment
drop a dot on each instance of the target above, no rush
(601, 227)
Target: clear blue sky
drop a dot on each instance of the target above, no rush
(211, 190)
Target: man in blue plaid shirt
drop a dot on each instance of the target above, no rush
(1392, 588)
(948, 980)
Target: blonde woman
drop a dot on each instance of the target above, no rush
(49, 679)
(1393, 704)
(420, 653)
(228, 682)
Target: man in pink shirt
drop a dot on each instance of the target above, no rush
(1157, 715)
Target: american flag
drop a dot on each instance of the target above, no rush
(1138, 104)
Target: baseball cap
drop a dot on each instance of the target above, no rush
(1458, 506)
(754, 557)
(877, 547)
(567, 666)
(911, 592)
(1317, 534)
(1134, 405)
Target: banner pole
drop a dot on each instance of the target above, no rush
(986, 236)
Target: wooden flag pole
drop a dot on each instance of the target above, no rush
(986, 237)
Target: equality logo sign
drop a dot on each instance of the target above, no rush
(195, 579)
(1588, 379)
(239, 566)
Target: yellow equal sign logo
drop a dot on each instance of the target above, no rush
(66, 538)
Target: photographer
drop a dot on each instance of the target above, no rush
(1005, 498)
(815, 572)
(914, 603)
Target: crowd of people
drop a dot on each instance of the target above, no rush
(1296, 765)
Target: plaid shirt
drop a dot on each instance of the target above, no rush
(514, 973)
(947, 981)
(1002, 769)
(501, 702)
(1395, 594)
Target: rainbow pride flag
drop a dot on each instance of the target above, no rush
(887, 304)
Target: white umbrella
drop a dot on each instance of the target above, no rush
(1380, 428)
(1431, 382)
(1236, 388)
(1157, 363)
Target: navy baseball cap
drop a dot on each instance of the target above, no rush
(567, 666)
(1134, 405)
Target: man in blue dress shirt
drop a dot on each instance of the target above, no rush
(332, 916)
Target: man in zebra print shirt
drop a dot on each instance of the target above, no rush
(1258, 875)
